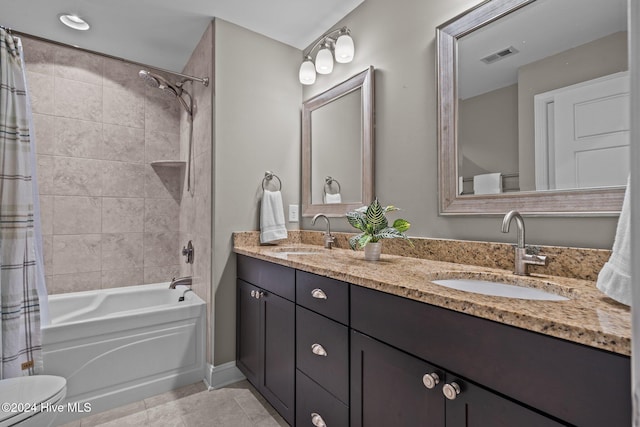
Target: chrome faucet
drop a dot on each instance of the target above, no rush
(328, 238)
(522, 257)
(180, 281)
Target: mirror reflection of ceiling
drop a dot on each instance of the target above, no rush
(163, 33)
(540, 29)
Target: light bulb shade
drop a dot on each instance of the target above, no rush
(324, 61)
(307, 73)
(344, 49)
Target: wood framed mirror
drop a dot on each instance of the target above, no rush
(337, 147)
(528, 36)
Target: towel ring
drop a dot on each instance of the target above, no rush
(327, 183)
(268, 176)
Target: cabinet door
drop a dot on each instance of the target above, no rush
(476, 406)
(278, 344)
(387, 387)
(248, 331)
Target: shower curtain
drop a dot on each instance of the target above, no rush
(21, 268)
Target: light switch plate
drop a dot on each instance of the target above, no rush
(293, 213)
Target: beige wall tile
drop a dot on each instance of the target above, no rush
(161, 249)
(163, 182)
(75, 282)
(162, 112)
(38, 56)
(119, 278)
(161, 146)
(123, 75)
(77, 177)
(41, 92)
(46, 173)
(77, 100)
(47, 254)
(76, 65)
(44, 127)
(123, 107)
(77, 138)
(125, 144)
(161, 215)
(77, 215)
(122, 251)
(46, 214)
(76, 253)
(161, 273)
(122, 215)
(202, 132)
(121, 179)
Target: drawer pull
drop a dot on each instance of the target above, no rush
(318, 293)
(451, 391)
(430, 380)
(318, 350)
(317, 420)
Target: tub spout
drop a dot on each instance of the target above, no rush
(180, 281)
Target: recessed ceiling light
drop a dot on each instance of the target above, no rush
(74, 21)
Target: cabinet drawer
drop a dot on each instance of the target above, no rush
(269, 276)
(331, 296)
(322, 351)
(312, 399)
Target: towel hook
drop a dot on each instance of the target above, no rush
(327, 184)
(268, 176)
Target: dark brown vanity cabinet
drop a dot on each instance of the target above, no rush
(506, 376)
(391, 388)
(322, 351)
(266, 331)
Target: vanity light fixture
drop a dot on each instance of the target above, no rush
(74, 21)
(336, 43)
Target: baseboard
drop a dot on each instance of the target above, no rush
(219, 376)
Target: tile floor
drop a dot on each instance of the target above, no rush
(236, 405)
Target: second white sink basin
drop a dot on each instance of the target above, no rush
(499, 289)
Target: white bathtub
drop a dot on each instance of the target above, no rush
(121, 345)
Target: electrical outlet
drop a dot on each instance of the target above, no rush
(293, 213)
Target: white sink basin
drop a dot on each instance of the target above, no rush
(499, 289)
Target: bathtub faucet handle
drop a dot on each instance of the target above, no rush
(187, 251)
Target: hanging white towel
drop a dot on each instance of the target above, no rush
(272, 217)
(615, 277)
(488, 183)
(332, 198)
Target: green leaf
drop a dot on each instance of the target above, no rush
(391, 208)
(357, 220)
(353, 241)
(364, 239)
(390, 233)
(401, 225)
(375, 217)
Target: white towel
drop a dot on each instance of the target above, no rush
(272, 217)
(332, 198)
(615, 277)
(488, 183)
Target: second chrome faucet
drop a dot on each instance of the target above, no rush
(328, 238)
(522, 257)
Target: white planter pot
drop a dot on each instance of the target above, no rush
(372, 251)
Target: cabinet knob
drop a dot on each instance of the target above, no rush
(451, 390)
(319, 350)
(257, 294)
(317, 420)
(253, 294)
(318, 293)
(430, 380)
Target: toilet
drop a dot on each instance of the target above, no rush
(31, 401)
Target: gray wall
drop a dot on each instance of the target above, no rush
(398, 39)
(256, 128)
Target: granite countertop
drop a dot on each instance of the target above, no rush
(589, 317)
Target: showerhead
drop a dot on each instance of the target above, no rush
(159, 82)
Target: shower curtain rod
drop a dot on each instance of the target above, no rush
(203, 80)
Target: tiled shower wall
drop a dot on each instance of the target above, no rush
(109, 218)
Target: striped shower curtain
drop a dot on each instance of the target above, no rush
(20, 331)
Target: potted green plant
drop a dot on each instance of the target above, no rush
(372, 222)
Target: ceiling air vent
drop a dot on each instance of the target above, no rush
(495, 57)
